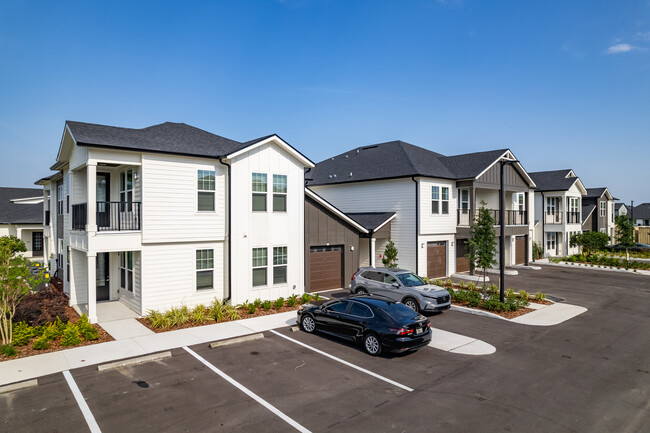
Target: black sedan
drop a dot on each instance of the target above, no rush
(379, 323)
(637, 247)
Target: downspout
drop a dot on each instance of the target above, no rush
(543, 223)
(417, 222)
(228, 294)
(370, 252)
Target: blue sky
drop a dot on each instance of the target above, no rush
(564, 84)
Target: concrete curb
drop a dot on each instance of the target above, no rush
(236, 340)
(475, 278)
(476, 312)
(18, 385)
(576, 265)
(132, 361)
(529, 267)
(545, 315)
(505, 272)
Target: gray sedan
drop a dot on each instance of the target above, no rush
(401, 285)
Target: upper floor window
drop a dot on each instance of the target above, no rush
(126, 190)
(59, 200)
(445, 200)
(574, 203)
(259, 192)
(435, 199)
(67, 194)
(520, 201)
(463, 199)
(204, 269)
(279, 193)
(603, 208)
(205, 188)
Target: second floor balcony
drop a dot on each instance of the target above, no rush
(512, 217)
(110, 216)
(573, 217)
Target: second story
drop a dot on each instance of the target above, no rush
(558, 199)
(21, 215)
(640, 214)
(598, 213)
(164, 183)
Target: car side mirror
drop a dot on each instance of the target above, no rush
(395, 285)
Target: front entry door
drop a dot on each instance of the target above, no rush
(103, 286)
(103, 200)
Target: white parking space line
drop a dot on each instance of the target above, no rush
(248, 392)
(349, 364)
(85, 410)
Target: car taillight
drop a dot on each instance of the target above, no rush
(428, 324)
(353, 275)
(401, 331)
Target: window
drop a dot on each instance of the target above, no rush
(550, 205)
(445, 200)
(259, 192)
(37, 242)
(126, 191)
(603, 208)
(204, 269)
(338, 307)
(67, 194)
(126, 270)
(360, 310)
(279, 193)
(59, 198)
(435, 199)
(260, 263)
(59, 254)
(279, 265)
(67, 266)
(573, 204)
(205, 189)
(388, 279)
(520, 201)
(463, 200)
(550, 241)
(603, 230)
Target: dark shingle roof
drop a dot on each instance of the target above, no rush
(370, 220)
(595, 192)
(166, 137)
(641, 211)
(12, 213)
(586, 211)
(617, 206)
(554, 180)
(395, 159)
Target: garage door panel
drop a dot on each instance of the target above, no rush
(436, 259)
(462, 262)
(325, 268)
(520, 250)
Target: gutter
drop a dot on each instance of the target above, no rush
(228, 294)
(417, 222)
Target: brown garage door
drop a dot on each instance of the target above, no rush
(462, 262)
(520, 250)
(325, 268)
(436, 259)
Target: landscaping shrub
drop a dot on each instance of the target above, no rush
(316, 297)
(449, 282)
(71, 336)
(492, 303)
(41, 344)
(292, 300)
(473, 299)
(8, 350)
(258, 303)
(279, 303)
(23, 333)
(199, 314)
(267, 305)
(462, 284)
(539, 296)
(471, 285)
(86, 329)
(52, 331)
(157, 319)
(217, 311)
(251, 308)
(306, 297)
(437, 282)
(231, 312)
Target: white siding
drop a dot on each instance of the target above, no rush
(169, 196)
(396, 195)
(430, 223)
(79, 294)
(132, 300)
(267, 229)
(168, 275)
(78, 188)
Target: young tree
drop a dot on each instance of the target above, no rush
(16, 280)
(482, 241)
(389, 259)
(589, 241)
(625, 235)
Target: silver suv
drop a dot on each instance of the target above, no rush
(403, 286)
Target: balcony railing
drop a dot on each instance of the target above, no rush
(111, 216)
(513, 217)
(553, 217)
(573, 217)
(118, 216)
(79, 216)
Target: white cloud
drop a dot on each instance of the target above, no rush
(619, 48)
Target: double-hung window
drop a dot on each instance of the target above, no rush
(279, 193)
(126, 270)
(260, 264)
(59, 254)
(603, 208)
(550, 241)
(126, 191)
(204, 269)
(279, 265)
(67, 194)
(67, 263)
(435, 200)
(59, 200)
(445, 200)
(205, 188)
(259, 192)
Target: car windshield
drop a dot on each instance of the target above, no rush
(411, 280)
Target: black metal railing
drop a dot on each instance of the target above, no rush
(79, 216)
(47, 218)
(118, 216)
(573, 217)
(513, 217)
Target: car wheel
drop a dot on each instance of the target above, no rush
(361, 291)
(412, 304)
(372, 345)
(308, 324)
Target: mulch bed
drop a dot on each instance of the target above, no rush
(505, 314)
(243, 314)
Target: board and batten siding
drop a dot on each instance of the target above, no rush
(392, 195)
(267, 229)
(169, 197)
(168, 275)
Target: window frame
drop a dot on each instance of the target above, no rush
(255, 267)
(127, 275)
(435, 200)
(259, 193)
(552, 240)
(202, 189)
(280, 194)
(444, 201)
(59, 199)
(284, 265)
(199, 268)
(126, 193)
(603, 209)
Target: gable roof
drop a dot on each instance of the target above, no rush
(19, 213)
(641, 211)
(398, 159)
(372, 220)
(586, 211)
(598, 192)
(617, 206)
(557, 180)
(168, 137)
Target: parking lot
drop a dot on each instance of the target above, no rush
(589, 374)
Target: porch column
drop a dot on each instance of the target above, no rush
(91, 193)
(92, 287)
(372, 251)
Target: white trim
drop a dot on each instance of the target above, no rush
(509, 156)
(334, 210)
(78, 396)
(385, 222)
(28, 200)
(274, 138)
(248, 392)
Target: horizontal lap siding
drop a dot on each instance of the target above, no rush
(169, 195)
(437, 223)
